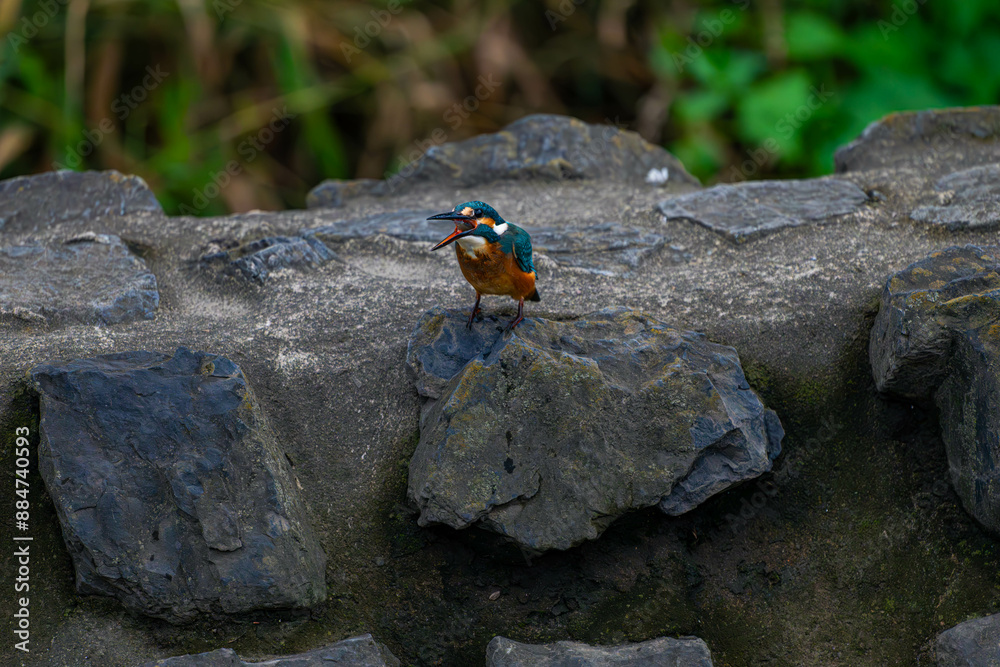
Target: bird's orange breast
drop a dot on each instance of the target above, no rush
(492, 271)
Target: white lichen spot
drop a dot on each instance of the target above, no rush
(658, 176)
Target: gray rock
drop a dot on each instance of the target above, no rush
(660, 652)
(539, 147)
(975, 643)
(937, 335)
(89, 279)
(604, 248)
(256, 260)
(972, 199)
(172, 493)
(936, 141)
(361, 651)
(548, 435)
(28, 204)
(747, 210)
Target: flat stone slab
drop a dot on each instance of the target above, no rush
(548, 435)
(975, 643)
(748, 210)
(538, 147)
(606, 248)
(172, 492)
(362, 651)
(971, 199)
(937, 336)
(90, 279)
(937, 141)
(29, 204)
(660, 652)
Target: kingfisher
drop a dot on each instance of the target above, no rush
(494, 255)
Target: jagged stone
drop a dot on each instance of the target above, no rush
(686, 651)
(975, 643)
(256, 260)
(548, 435)
(89, 279)
(937, 335)
(172, 493)
(747, 210)
(537, 147)
(361, 651)
(971, 199)
(936, 141)
(28, 204)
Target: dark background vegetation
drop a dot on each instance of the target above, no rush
(736, 89)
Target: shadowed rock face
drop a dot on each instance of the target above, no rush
(971, 199)
(90, 279)
(975, 643)
(538, 147)
(686, 651)
(935, 142)
(30, 203)
(362, 651)
(747, 210)
(172, 493)
(548, 435)
(256, 260)
(937, 335)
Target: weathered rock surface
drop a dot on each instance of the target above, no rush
(971, 199)
(362, 651)
(686, 652)
(89, 279)
(746, 210)
(548, 435)
(171, 490)
(256, 260)
(974, 643)
(935, 142)
(29, 204)
(539, 147)
(937, 335)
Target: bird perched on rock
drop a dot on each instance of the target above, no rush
(494, 255)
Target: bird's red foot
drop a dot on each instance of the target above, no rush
(475, 311)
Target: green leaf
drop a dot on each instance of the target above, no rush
(812, 36)
(775, 110)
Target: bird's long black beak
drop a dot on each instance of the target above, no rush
(464, 225)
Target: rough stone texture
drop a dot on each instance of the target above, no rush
(746, 210)
(89, 279)
(975, 643)
(362, 651)
(661, 652)
(539, 147)
(851, 519)
(171, 490)
(937, 335)
(29, 204)
(256, 260)
(935, 142)
(548, 435)
(970, 198)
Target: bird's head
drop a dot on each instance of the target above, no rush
(471, 218)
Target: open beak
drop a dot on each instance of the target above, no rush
(464, 225)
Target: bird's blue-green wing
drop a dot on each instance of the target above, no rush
(519, 242)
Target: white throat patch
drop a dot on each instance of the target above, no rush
(471, 243)
(500, 229)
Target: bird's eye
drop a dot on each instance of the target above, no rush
(479, 212)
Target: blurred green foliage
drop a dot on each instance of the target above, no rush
(230, 105)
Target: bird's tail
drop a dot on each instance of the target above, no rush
(534, 296)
